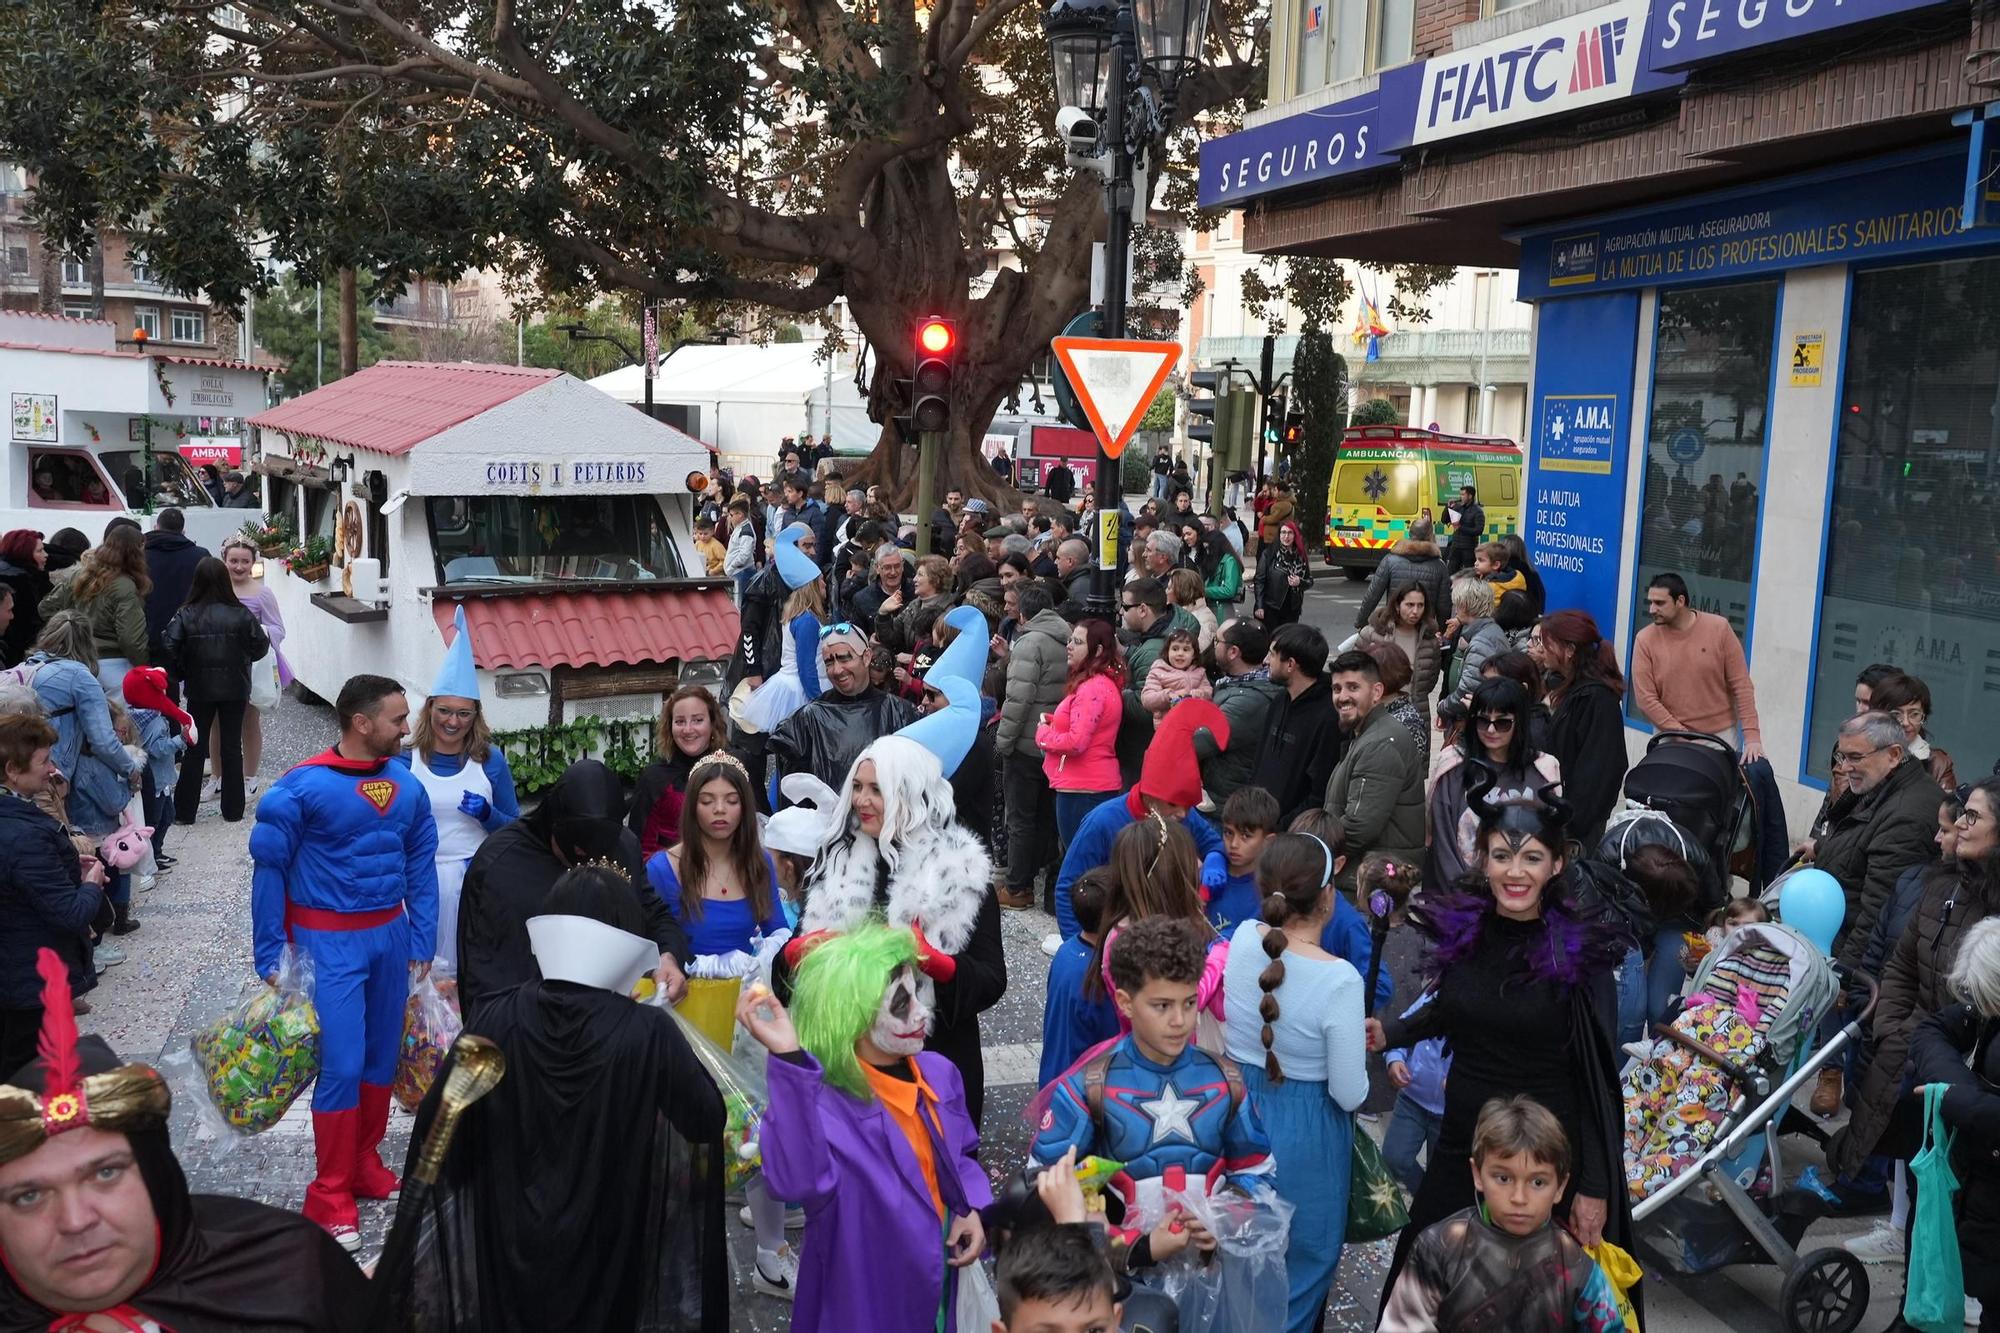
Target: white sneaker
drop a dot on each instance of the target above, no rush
(146, 883)
(347, 1238)
(795, 1218)
(249, 787)
(1882, 1243)
(1052, 945)
(211, 790)
(1972, 1312)
(110, 954)
(777, 1273)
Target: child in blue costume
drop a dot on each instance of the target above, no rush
(1073, 1020)
(796, 682)
(344, 849)
(1176, 1116)
(1169, 784)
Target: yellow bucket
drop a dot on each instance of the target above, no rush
(710, 1004)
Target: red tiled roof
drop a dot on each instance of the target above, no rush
(393, 406)
(595, 628)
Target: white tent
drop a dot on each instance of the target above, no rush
(745, 399)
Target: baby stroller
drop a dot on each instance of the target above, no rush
(1712, 1184)
(1697, 781)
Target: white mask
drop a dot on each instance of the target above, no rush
(904, 1020)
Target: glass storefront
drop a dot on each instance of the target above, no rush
(1912, 573)
(1701, 498)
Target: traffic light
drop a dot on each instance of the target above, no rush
(1295, 429)
(1201, 411)
(937, 359)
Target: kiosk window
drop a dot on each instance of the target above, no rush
(60, 477)
(1910, 575)
(169, 480)
(577, 538)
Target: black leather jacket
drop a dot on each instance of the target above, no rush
(762, 621)
(824, 737)
(210, 648)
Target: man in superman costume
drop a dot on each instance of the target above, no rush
(345, 850)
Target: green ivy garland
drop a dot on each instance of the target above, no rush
(166, 386)
(537, 756)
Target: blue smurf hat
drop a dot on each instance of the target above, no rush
(949, 732)
(795, 567)
(965, 656)
(457, 677)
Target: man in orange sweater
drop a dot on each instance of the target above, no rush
(1689, 674)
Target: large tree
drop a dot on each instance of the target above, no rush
(785, 154)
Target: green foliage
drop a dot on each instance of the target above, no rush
(546, 344)
(288, 329)
(1319, 383)
(537, 756)
(1160, 412)
(1135, 466)
(1377, 412)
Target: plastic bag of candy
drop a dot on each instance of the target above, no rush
(744, 1097)
(430, 1025)
(255, 1059)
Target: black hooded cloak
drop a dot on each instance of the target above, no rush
(514, 869)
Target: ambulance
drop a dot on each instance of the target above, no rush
(1386, 477)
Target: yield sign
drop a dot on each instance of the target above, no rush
(1115, 380)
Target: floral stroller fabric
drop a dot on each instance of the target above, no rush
(1756, 995)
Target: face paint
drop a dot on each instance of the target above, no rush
(904, 1020)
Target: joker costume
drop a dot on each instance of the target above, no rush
(468, 801)
(345, 869)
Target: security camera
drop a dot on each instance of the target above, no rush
(1078, 130)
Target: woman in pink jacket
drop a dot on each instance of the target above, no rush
(1080, 739)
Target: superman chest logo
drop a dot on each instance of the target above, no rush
(378, 792)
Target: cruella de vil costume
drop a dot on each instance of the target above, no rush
(924, 872)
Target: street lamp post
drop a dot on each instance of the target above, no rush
(1105, 53)
(578, 332)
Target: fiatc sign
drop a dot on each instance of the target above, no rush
(1567, 65)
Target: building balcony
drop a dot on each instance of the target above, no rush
(1414, 356)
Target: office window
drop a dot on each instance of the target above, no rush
(147, 317)
(17, 261)
(190, 326)
(1396, 35)
(1910, 576)
(1344, 39)
(74, 273)
(78, 310)
(1705, 446)
(142, 273)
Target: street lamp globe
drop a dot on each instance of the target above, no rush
(1171, 36)
(1079, 33)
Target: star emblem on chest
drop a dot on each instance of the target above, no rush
(1172, 1114)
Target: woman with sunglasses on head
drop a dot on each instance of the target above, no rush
(1496, 739)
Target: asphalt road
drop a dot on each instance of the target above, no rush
(191, 958)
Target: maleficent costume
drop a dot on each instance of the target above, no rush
(1526, 1007)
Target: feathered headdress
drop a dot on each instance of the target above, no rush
(119, 1100)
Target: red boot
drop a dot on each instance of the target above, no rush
(330, 1198)
(372, 1180)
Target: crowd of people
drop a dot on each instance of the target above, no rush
(1220, 811)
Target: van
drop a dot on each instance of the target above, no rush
(1385, 476)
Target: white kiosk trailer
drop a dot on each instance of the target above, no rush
(558, 517)
(99, 429)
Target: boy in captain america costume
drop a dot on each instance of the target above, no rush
(345, 853)
(1175, 1115)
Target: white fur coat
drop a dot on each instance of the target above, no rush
(940, 882)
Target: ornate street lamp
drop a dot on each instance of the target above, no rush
(1171, 37)
(1079, 33)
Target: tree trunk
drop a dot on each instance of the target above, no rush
(96, 271)
(350, 338)
(1000, 335)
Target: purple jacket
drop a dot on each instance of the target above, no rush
(873, 1252)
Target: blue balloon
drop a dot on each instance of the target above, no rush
(1811, 902)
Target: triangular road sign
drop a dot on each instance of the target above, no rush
(1115, 379)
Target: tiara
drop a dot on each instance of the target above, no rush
(723, 758)
(606, 863)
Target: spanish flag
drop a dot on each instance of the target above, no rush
(1368, 326)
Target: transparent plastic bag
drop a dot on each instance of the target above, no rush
(1242, 1288)
(260, 1055)
(431, 1023)
(745, 1094)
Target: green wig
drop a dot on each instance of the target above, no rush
(837, 993)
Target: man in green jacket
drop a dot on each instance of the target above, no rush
(1377, 793)
(1246, 694)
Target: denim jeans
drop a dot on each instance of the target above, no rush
(1071, 807)
(1632, 997)
(1411, 1129)
(1665, 974)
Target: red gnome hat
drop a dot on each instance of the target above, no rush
(146, 687)
(1171, 771)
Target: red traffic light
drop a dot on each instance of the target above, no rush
(935, 336)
